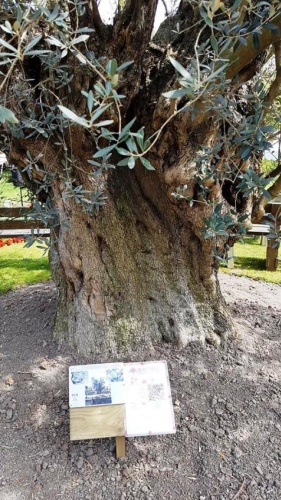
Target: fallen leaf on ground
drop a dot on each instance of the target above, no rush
(9, 381)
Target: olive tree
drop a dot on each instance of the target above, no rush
(144, 154)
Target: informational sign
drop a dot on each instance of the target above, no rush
(143, 388)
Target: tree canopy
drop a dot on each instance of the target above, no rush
(59, 70)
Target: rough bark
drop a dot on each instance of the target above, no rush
(135, 273)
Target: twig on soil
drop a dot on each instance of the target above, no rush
(89, 463)
(35, 454)
(8, 447)
(275, 411)
(240, 490)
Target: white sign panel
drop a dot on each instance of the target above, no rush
(149, 408)
(144, 388)
(3, 158)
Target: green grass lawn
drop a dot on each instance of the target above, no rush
(250, 262)
(21, 266)
(9, 192)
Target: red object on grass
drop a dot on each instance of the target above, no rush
(10, 241)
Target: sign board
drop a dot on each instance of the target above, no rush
(142, 390)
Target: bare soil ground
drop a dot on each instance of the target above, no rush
(227, 408)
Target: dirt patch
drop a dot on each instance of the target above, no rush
(227, 408)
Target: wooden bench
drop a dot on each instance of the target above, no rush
(271, 247)
(15, 222)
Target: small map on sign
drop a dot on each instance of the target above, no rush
(143, 388)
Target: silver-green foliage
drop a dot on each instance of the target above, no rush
(201, 78)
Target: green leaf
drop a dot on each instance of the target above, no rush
(103, 152)
(108, 134)
(79, 39)
(272, 27)
(181, 69)
(123, 163)
(108, 87)
(53, 14)
(37, 52)
(245, 152)
(204, 15)
(174, 94)
(140, 137)
(7, 45)
(131, 162)
(126, 129)
(90, 101)
(256, 41)
(146, 164)
(54, 41)
(31, 44)
(6, 115)
(85, 30)
(99, 112)
(242, 41)
(114, 80)
(7, 30)
(123, 152)
(80, 57)
(131, 145)
(111, 67)
(104, 123)
(73, 117)
(213, 75)
(214, 44)
(124, 65)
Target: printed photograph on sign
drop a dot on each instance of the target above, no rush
(79, 377)
(92, 385)
(115, 375)
(98, 392)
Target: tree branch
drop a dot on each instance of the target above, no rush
(165, 7)
(133, 27)
(275, 86)
(97, 21)
(275, 189)
(274, 172)
(245, 55)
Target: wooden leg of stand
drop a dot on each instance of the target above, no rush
(120, 447)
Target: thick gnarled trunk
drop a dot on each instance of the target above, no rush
(134, 273)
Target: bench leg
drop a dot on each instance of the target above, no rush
(230, 258)
(272, 255)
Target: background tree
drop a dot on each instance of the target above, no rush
(98, 385)
(144, 154)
